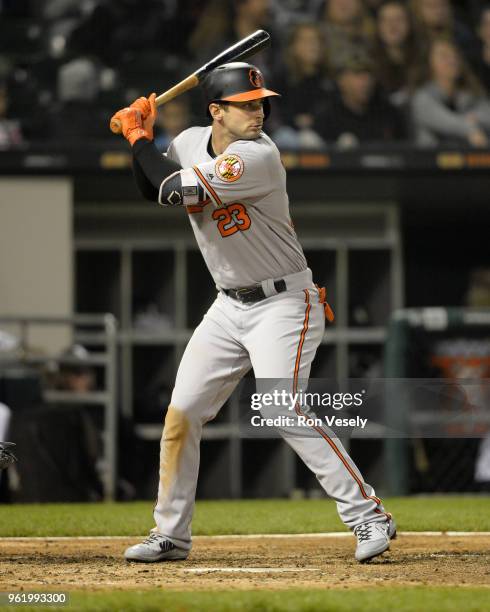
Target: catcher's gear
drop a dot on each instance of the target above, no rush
(236, 82)
(7, 457)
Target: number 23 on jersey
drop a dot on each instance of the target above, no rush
(232, 219)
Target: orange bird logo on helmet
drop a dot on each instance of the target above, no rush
(256, 78)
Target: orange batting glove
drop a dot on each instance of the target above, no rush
(148, 109)
(132, 124)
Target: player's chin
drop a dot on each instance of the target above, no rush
(253, 132)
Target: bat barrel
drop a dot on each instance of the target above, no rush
(252, 44)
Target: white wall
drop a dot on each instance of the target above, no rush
(36, 269)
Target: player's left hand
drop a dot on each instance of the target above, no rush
(148, 109)
(7, 457)
(132, 124)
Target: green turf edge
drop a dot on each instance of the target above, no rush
(402, 599)
(432, 513)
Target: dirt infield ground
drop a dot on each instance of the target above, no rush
(257, 563)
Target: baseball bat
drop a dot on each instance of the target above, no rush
(248, 46)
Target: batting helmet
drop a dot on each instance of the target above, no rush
(236, 82)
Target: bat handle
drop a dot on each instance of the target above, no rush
(188, 83)
(116, 126)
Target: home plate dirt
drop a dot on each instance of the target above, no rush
(252, 563)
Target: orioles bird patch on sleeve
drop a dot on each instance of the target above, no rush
(229, 168)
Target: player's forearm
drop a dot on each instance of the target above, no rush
(145, 186)
(149, 163)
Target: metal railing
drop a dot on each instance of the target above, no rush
(105, 335)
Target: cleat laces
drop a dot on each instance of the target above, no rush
(153, 537)
(364, 532)
(164, 544)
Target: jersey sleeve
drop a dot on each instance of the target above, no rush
(171, 152)
(244, 170)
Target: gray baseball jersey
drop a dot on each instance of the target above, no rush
(243, 228)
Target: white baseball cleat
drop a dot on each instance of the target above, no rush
(374, 538)
(156, 547)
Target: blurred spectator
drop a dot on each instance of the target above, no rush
(356, 112)
(302, 84)
(212, 26)
(77, 80)
(115, 29)
(61, 9)
(478, 293)
(396, 52)
(223, 23)
(287, 13)
(77, 114)
(10, 129)
(373, 6)
(348, 30)
(31, 93)
(481, 61)
(435, 18)
(74, 373)
(61, 17)
(450, 107)
(173, 117)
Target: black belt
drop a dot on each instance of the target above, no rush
(255, 293)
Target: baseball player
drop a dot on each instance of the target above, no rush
(268, 315)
